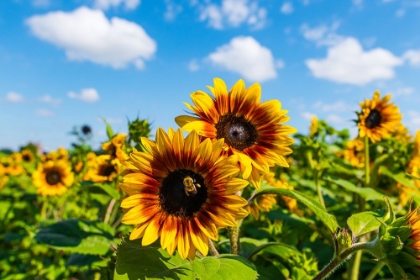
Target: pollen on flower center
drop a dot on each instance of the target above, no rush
(237, 131)
(175, 200)
(373, 119)
(53, 177)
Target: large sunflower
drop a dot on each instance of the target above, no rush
(181, 190)
(53, 177)
(378, 117)
(253, 132)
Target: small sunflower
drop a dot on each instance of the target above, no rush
(53, 177)
(253, 132)
(417, 144)
(401, 134)
(60, 154)
(27, 155)
(11, 166)
(102, 169)
(354, 152)
(181, 190)
(114, 147)
(378, 117)
(313, 128)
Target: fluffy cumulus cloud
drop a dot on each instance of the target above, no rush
(347, 62)
(232, 13)
(286, 8)
(87, 35)
(89, 95)
(412, 57)
(14, 97)
(106, 4)
(49, 100)
(172, 10)
(246, 56)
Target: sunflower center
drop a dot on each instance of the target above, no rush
(237, 131)
(107, 170)
(26, 158)
(182, 193)
(53, 177)
(373, 119)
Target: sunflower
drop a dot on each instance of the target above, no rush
(401, 134)
(10, 166)
(60, 154)
(253, 132)
(417, 144)
(102, 169)
(313, 128)
(114, 147)
(181, 190)
(378, 117)
(27, 155)
(3, 180)
(53, 177)
(354, 152)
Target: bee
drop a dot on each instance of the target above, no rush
(190, 185)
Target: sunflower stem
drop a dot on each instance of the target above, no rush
(318, 188)
(213, 249)
(358, 257)
(234, 239)
(378, 267)
(109, 210)
(44, 209)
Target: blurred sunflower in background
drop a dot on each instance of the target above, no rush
(115, 147)
(313, 128)
(11, 165)
(181, 190)
(102, 169)
(354, 152)
(253, 131)
(60, 154)
(27, 155)
(401, 134)
(53, 177)
(378, 117)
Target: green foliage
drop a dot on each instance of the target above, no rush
(137, 262)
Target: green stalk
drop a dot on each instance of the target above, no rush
(358, 257)
(213, 249)
(44, 209)
(318, 188)
(234, 239)
(378, 267)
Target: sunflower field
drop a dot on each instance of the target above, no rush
(234, 192)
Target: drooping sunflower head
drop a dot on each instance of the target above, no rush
(253, 131)
(53, 177)
(378, 117)
(181, 190)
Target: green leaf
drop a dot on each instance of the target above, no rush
(399, 177)
(107, 188)
(151, 262)
(109, 131)
(82, 237)
(364, 222)
(328, 219)
(366, 193)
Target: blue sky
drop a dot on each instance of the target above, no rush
(73, 62)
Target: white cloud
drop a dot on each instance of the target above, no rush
(307, 115)
(245, 55)
(233, 13)
(14, 97)
(87, 34)
(414, 119)
(172, 10)
(44, 113)
(347, 62)
(405, 91)
(286, 8)
(413, 57)
(106, 4)
(322, 35)
(41, 3)
(400, 12)
(49, 100)
(358, 3)
(87, 95)
(193, 65)
(335, 119)
(338, 106)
